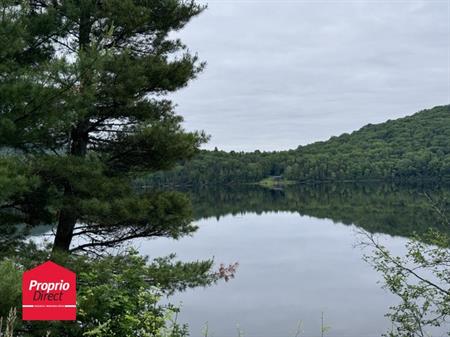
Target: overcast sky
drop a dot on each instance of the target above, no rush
(284, 73)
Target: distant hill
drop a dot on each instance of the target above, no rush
(411, 148)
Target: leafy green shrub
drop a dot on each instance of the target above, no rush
(116, 295)
(10, 286)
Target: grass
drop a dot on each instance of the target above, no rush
(9, 324)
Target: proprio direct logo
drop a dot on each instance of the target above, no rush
(49, 293)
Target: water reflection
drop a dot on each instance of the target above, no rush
(297, 256)
(377, 208)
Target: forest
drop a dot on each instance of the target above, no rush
(411, 148)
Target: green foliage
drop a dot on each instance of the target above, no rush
(406, 149)
(171, 276)
(14, 178)
(116, 295)
(10, 286)
(83, 113)
(421, 278)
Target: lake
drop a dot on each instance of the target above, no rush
(299, 257)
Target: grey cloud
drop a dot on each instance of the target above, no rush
(285, 73)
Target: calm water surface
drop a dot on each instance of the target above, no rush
(298, 258)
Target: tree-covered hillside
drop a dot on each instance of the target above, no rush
(410, 148)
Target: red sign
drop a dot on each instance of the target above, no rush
(49, 293)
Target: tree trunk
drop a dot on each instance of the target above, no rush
(64, 231)
(67, 216)
(79, 139)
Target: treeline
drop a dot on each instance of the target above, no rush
(410, 148)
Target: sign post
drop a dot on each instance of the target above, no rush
(49, 293)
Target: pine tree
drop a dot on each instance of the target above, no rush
(84, 111)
